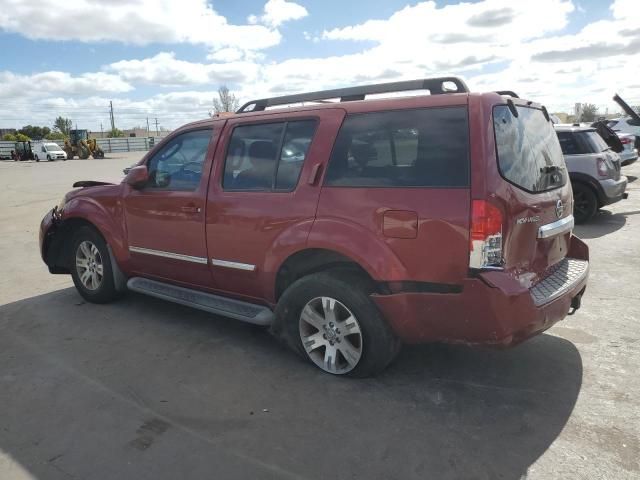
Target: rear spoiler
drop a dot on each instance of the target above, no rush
(625, 106)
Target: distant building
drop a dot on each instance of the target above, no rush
(562, 116)
(132, 132)
(4, 131)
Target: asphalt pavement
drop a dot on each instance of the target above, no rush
(143, 389)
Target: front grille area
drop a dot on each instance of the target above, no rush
(558, 279)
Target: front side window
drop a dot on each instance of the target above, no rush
(267, 157)
(410, 148)
(178, 165)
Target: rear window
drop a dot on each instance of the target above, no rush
(579, 143)
(529, 154)
(408, 148)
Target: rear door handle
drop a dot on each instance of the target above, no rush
(190, 209)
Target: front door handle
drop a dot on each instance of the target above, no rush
(190, 209)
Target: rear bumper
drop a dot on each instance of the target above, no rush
(492, 309)
(613, 190)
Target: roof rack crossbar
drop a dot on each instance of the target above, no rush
(509, 93)
(436, 86)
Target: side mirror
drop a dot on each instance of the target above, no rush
(137, 177)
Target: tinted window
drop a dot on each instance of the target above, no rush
(593, 142)
(261, 158)
(568, 143)
(178, 165)
(529, 153)
(409, 148)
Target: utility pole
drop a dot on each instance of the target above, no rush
(113, 121)
(101, 131)
(156, 126)
(147, 126)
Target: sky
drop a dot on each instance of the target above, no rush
(166, 59)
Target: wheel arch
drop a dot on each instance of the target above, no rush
(589, 182)
(313, 260)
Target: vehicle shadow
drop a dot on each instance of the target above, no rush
(145, 389)
(603, 223)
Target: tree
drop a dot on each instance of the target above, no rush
(226, 101)
(115, 133)
(55, 136)
(21, 137)
(589, 113)
(36, 133)
(63, 125)
(9, 137)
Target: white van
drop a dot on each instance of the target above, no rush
(47, 150)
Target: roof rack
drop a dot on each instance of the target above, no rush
(509, 93)
(436, 86)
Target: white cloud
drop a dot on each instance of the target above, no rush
(276, 12)
(165, 70)
(493, 44)
(51, 83)
(138, 22)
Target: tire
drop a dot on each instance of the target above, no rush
(585, 203)
(364, 352)
(88, 244)
(36, 158)
(49, 157)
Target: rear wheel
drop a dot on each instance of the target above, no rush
(585, 203)
(35, 157)
(90, 266)
(330, 320)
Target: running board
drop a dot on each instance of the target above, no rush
(228, 307)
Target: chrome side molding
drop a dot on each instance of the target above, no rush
(173, 256)
(556, 228)
(237, 265)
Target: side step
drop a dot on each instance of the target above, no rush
(228, 307)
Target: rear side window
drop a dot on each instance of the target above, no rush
(529, 153)
(408, 148)
(579, 143)
(569, 143)
(267, 157)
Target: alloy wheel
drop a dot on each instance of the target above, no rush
(330, 335)
(89, 265)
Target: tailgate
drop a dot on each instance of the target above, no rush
(534, 194)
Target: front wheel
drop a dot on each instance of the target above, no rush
(49, 158)
(330, 320)
(585, 203)
(90, 266)
(35, 157)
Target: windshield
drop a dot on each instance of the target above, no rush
(52, 147)
(529, 154)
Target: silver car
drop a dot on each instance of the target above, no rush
(630, 153)
(594, 170)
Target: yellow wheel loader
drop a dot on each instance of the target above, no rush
(80, 145)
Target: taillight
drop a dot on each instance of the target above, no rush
(603, 169)
(625, 140)
(485, 241)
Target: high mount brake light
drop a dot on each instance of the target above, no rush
(485, 241)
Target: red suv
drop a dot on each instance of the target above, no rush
(348, 225)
